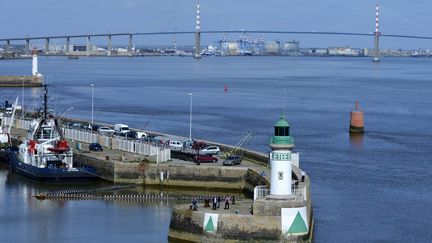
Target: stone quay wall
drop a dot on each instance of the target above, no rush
(19, 81)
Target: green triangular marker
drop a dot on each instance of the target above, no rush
(298, 225)
(210, 227)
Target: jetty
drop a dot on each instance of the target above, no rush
(279, 207)
(24, 81)
(21, 81)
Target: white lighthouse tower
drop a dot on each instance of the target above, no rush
(281, 160)
(35, 71)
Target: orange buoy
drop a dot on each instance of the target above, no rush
(226, 88)
(356, 120)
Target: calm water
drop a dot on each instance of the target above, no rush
(374, 188)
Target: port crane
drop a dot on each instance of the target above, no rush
(236, 151)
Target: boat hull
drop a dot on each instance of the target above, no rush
(49, 174)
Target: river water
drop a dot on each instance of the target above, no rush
(364, 189)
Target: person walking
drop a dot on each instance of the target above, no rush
(214, 201)
(218, 201)
(227, 202)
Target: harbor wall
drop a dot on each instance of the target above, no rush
(172, 175)
(187, 225)
(20, 81)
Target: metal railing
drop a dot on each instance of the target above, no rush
(298, 193)
(260, 192)
(162, 153)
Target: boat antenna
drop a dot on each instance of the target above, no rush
(45, 101)
(285, 94)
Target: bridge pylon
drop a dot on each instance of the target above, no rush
(377, 36)
(198, 33)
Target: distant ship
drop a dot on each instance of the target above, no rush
(45, 154)
(73, 57)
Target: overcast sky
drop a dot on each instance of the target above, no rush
(20, 18)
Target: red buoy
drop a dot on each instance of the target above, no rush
(226, 88)
(356, 120)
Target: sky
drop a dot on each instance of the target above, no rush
(20, 18)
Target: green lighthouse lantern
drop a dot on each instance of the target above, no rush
(282, 138)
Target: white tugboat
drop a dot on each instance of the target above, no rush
(45, 154)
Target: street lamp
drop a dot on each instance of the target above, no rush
(22, 97)
(190, 118)
(92, 91)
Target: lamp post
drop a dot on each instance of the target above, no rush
(190, 117)
(92, 91)
(22, 97)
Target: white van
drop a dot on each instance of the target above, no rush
(175, 145)
(121, 129)
(141, 135)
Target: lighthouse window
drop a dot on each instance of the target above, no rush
(281, 131)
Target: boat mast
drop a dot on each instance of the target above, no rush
(45, 102)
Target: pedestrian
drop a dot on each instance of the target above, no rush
(194, 205)
(227, 202)
(218, 202)
(214, 200)
(303, 174)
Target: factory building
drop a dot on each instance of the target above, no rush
(272, 47)
(229, 48)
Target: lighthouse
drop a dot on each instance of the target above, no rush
(281, 160)
(34, 63)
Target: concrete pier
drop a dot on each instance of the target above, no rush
(264, 219)
(21, 81)
(242, 222)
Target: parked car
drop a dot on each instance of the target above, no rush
(149, 139)
(94, 128)
(202, 158)
(131, 135)
(95, 147)
(121, 129)
(195, 144)
(105, 131)
(210, 150)
(175, 145)
(74, 125)
(141, 135)
(232, 160)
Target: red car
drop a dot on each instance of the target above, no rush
(202, 158)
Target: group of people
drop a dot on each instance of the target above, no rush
(217, 200)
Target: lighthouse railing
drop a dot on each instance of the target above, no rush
(300, 194)
(261, 191)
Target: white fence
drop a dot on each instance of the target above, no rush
(260, 192)
(105, 141)
(162, 154)
(124, 145)
(81, 136)
(298, 193)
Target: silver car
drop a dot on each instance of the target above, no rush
(105, 131)
(232, 160)
(210, 150)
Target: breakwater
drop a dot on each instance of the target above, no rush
(245, 222)
(174, 175)
(21, 81)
